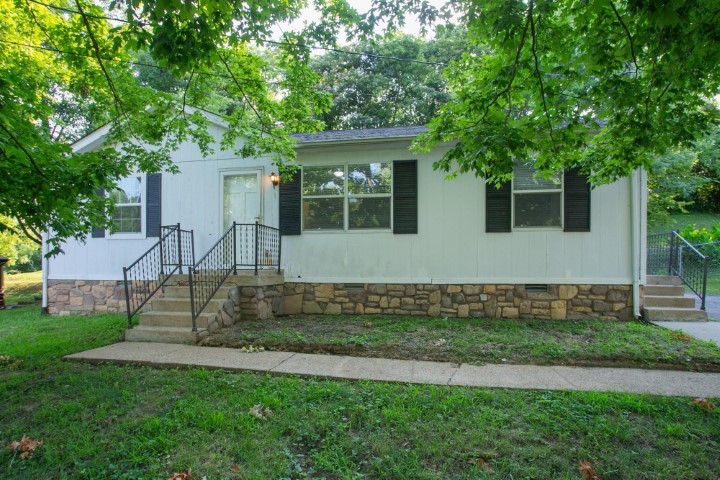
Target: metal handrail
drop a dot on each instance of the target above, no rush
(148, 274)
(692, 269)
(203, 278)
(255, 241)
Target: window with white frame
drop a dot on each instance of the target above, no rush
(347, 197)
(127, 197)
(537, 202)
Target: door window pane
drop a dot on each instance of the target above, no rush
(241, 199)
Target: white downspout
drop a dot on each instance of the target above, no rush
(45, 270)
(636, 192)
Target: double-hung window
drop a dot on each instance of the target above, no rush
(537, 202)
(354, 196)
(128, 199)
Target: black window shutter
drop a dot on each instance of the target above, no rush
(98, 232)
(290, 205)
(405, 216)
(153, 202)
(498, 205)
(577, 202)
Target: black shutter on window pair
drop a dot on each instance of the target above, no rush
(153, 203)
(498, 204)
(405, 215)
(290, 205)
(577, 202)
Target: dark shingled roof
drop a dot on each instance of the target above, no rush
(362, 134)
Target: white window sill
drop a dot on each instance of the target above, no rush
(126, 236)
(352, 232)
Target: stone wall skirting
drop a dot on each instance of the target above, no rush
(262, 302)
(558, 302)
(67, 297)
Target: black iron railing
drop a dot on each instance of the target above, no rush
(670, 254)
(241, 246)
(146, 275)
(658, 254)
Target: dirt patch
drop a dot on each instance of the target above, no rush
(467, 341)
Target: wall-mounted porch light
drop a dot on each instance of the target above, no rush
(274, 179)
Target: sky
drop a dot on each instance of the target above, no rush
(412, 25)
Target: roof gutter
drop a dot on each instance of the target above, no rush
(356, 141)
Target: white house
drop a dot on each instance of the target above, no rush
(369, 227)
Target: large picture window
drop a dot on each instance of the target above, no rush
(537, 202)
(347, 197)
(127, 196)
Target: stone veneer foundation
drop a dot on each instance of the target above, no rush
(558, 302)
(273, 298)
(67, 297)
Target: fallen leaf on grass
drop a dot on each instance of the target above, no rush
(26, 446)
(587, 471)
(368, 324)
(482, 463)
(10, 362)
(235, 468)
(681, 336)
(263, 413)
(88, 340)
(181, 476)
(704, 404)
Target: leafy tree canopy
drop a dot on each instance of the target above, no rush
(67, 67)
(374, 87)
(602, 85)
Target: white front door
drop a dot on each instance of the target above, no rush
(240, 197)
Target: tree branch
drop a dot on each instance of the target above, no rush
(35, 236)
(25, 151)
(652, 74)
(244, 95)
(629, 36)
(537, 72)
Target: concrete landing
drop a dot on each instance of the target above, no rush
(709, 331)
(631, 380)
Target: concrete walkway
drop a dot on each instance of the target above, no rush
(709, 330)
(660, 382)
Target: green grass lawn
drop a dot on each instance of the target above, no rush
(22, 287)
(678, 221)
(132, 422)
(543, 342)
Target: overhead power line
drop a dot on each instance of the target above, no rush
(260, 40)
(150, 65)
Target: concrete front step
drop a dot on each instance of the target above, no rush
(173, 291)
(652, 314)
(169, 304)
(664, 290)
(666, 301)
(663, 280)
(143, 333)
(176, 319)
